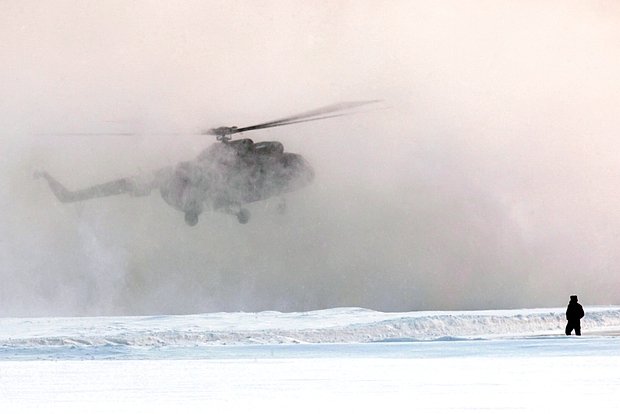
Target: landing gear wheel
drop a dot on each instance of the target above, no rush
(243, 216)
(191, 218)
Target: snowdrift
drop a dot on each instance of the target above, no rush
(341, 326)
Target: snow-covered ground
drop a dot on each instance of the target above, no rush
(335, 360)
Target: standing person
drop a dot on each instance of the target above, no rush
(574, 313)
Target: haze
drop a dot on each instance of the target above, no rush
(487, 178)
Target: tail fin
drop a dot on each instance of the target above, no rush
(61, 193)
(102, 190)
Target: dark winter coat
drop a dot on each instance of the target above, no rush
(574, 312)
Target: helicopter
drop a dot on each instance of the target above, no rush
(225, 177)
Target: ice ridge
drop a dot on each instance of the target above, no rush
(341, 325)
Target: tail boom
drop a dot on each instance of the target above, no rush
(64, 195)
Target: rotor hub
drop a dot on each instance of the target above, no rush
(223, 134)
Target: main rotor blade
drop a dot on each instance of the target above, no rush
(85, 134)
(114, 134)
(308, 116)
(303, 117)
(289, 122)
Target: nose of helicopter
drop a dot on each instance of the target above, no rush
(307, 171)
(304, 173)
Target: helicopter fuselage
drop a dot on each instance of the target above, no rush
(228, 175)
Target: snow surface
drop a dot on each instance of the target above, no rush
(335, 360)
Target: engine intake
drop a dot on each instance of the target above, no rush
(268, 147)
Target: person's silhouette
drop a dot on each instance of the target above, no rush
(574, 313)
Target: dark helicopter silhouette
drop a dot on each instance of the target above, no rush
(224, 177)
